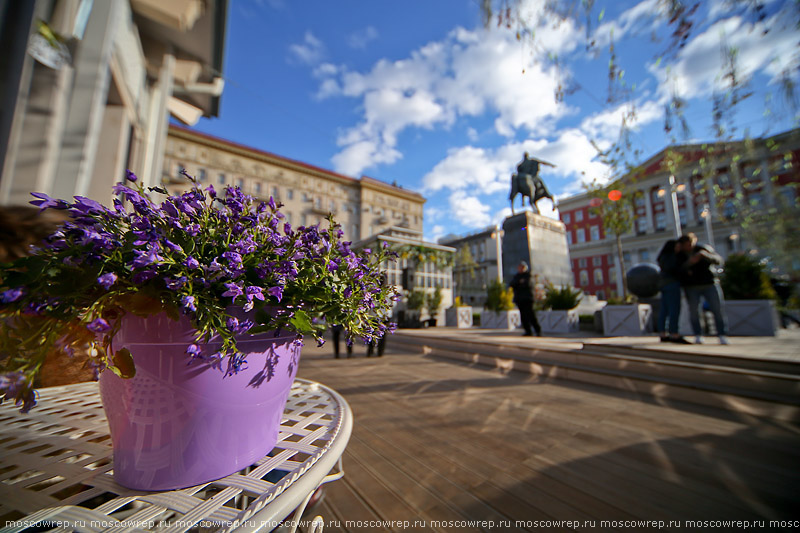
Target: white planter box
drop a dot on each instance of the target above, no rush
(458, 317)
(752, 317)
(626, 320)
(500, 319)
(558, 321)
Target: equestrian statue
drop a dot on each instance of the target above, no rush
(528, 183)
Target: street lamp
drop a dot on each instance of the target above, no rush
(497, 235)
(706, 216)
(734, 237)
(674, 190)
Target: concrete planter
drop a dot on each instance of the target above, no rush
(757, 318)
(500, 319)
(458, 317)
(558, 321)
(627, 320)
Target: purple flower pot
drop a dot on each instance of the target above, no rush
(175, 425)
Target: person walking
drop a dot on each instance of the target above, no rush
(522, 286)
(670, 260)
(336, 330)
(700, 281)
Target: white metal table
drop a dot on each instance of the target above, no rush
(55, 470)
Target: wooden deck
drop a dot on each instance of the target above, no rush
(441, 446)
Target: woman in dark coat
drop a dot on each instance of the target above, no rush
(670, 260)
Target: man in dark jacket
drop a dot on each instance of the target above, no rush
(699, 279)
(523, 296)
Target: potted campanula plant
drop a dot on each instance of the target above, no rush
(192, 312)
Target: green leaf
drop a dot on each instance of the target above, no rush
(123, 364)
(302, 322)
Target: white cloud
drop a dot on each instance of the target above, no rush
(310, 51)
(641, 18)
(362, 38)
(468, 73)
(469, 210)
(358, 155)
(698, 67)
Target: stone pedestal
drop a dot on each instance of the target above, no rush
(539, 241)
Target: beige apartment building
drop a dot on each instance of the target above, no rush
(87, 89)
(364, 207)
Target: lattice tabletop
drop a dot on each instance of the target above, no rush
(55, 466)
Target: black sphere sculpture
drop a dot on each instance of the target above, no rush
(644, 280)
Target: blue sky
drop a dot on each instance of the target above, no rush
(420, 93)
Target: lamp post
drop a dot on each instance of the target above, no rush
(706, 215)
(497, 235)
(673, 191)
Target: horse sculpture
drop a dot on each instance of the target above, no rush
(528, 183)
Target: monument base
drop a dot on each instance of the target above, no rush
(541, 242)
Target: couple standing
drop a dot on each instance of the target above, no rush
(687, 265)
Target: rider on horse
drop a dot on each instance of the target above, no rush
(528, 183)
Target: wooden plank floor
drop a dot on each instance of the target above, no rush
(442, 446)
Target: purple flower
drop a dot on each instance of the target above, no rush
(143, 276)
(130, 176)
(172, 246)
(12, 295)
(88, 206)
(107, 280)
(98, 325)
(46, 202)
(145, 258)
(191, 263)
(276, 292)
(188, 303)
(175, 284)
(233, 258)
(233, 290)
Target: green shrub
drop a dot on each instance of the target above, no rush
(744, 278)
(499, 297)
(586, 319)
(433, 301)
(415, 300)
(562, 298)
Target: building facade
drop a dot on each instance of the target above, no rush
(477, 263)
(364, 207)
(699, 197)
(431, 263)
(87, 89)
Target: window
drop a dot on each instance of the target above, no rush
(569, 238)
(178, 168)
(729, 211)
(584, 277)
(303, 219)
(221, 179)
(644, 255)
(289, 218)
(355, 234)
(276, 193)
(578, 215)
(661, 221)
(318, 202)
(598, 276)
(641, 225)
(240, 183)
(580, 234)
(306, 197)
(332, 206)
(257, 187)
(597, 260)
(639, 201)
(682, 215)
(289, 194)
(582, 262)
(626, 258)
(566, 218)
(612, 259)
(594, 233)
(724, 181)
(201, 174)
